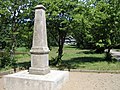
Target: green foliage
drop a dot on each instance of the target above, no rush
(12, 20)
(97, 24)
(59, 18)
(81, 26)
(6, 60)
(104, 23)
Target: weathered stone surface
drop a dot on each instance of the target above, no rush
(25, 81)
(39, 50)
(39, 71)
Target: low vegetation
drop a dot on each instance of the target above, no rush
(84, 59)
(73, 58)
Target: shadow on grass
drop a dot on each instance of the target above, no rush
(70, 46)
(83, 60)
(74, 63)
(87, 52)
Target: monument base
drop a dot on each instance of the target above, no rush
(39, 71)
(25, 81)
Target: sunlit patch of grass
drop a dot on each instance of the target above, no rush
(22, 49)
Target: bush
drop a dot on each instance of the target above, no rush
(7, 61)
(56, 61)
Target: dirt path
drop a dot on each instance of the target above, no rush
(93, 81)
(1, 83)
(89, 81)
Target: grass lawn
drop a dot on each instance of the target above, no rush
(85, 59)
(73, 57)
(23, 58)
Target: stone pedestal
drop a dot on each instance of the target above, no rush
(25, 81)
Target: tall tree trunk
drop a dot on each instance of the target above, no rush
(108, 55)
(62, 35)
(13, 43)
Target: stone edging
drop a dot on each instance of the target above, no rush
(71, 70)
(95, 71)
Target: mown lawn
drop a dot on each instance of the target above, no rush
(85, 59)
(72, 57)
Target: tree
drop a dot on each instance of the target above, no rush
(13, 17)
(105, 27)
(81, 26)
(98, 21)
(59, 21)
(96, 16)
(17, 22)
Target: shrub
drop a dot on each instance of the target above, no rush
(7, 61)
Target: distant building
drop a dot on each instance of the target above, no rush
(69, 40)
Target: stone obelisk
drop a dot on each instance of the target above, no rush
(39, 51)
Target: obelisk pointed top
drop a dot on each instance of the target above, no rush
(40, 7)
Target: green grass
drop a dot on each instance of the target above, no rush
(5, 69)
(22, 57)
(23, 61)
(85, 59)
(73, 57)
(22, 49)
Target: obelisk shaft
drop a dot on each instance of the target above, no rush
(39, 50)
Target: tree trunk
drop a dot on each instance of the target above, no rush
(62, 35)
(108, 55)
(13, 43)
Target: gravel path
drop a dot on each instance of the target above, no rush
(92, 81)
(1, 83)
(89, 81)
